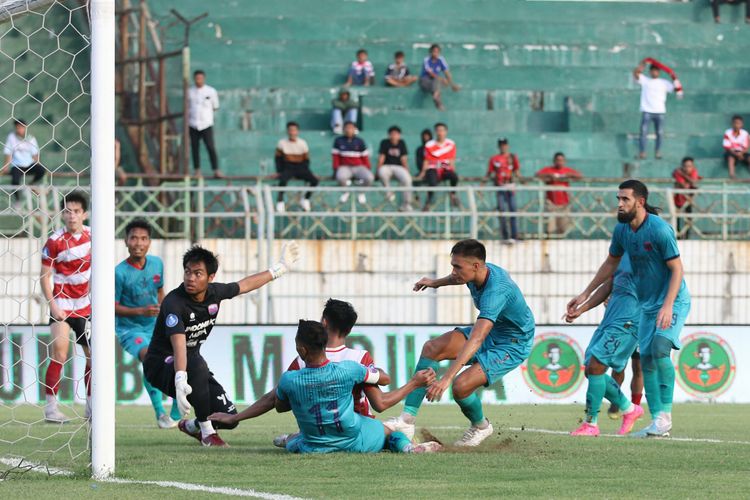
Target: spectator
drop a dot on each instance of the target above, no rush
(715, 8)
(351, 159)
(435, 74)
(425, 136)
(504, 167)
(393, 161)
(122, 177)
(345, 109)
(203, 102)
(654, 92)
(293, 162)
(558, 174)
(685, 177)
(736, 143)
(397, 74)
(22, 156)
(439, 163)
(361, 71)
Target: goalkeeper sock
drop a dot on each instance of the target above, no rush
(414, 400)
(471, 407)
(87, 377)
(594, 395)
(155, 396)
(52, 377)
(614, 395)
(174, 413)
(206, 428)
(397, 442)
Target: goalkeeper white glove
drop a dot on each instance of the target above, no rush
(182, 390)
(289, 256)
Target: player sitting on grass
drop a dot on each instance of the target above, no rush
(139, 289)
(320, 396)
(500, 340)
(611, 346)
(188, 313)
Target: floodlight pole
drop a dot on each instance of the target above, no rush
(102, 237)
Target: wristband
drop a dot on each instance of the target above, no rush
(180, 376)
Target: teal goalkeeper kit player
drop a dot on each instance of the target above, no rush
(136, 287)
(614, 342)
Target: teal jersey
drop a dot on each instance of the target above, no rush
(137, 288)
(500, 300)
(622, 308)
(649, 247)
(322, 402)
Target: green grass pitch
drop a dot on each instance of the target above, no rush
(513, 463)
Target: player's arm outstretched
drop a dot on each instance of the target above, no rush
(598, 297)
(289, 255)
(426, 283)
(381, 401)
(605, 273)
(263, 405)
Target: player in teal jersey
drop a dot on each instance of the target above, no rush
(498, 342)
(139, 282)
(611, 346)
(320, 396)
(662, 294)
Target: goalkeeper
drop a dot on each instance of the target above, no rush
(187, 315)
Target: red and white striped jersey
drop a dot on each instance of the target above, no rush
(439, 155)
(69, 256)
(343, 353)
(738, 142)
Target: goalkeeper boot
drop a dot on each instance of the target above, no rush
(398, 424)
(474, 435)
(214, 441)
(53, 415)
(183, 426)
(428, 447)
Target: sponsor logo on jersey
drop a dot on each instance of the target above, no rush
(554, 369)
(705, 365)
(171, 320)
(213, 309)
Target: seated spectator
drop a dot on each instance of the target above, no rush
(435, 74)
(351, 160)
(345, 109)
(504, 167)
(393, 161)
(736, 143)
(397, 74)
(425, 136)
(293, 162)
(685, 177)
(558, 174)
(22, 156)
(715, 8)
(361, 72)
(440, 163)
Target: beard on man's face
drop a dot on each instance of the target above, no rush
(625, 217)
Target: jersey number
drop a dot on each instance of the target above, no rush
(333, 407)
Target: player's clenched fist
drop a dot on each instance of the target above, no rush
(574, 304)
(182, 390)
(424, 377)
(290, 254)
(423, 284)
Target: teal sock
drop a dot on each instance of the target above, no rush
(414, 400)
(471, 407)
(594, 395)
(665, 373)
(174, 413)
(397, 442)
(651, 385)
(614, 394)
(155, 396)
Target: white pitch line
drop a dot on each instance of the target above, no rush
(683, 439)
(220, 490)
(22, 463)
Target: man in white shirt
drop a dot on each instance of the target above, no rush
(204, 100)
(736, 143)
(654, 92)
(22, 156)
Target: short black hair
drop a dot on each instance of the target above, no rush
(75, 197)
(292, 124)
(199, 72)
(19, 121)
(737, 117)
(441, 124)
(361, 51)
(426, 132)
(398, 54)
(349, 122)
(502, 140)
(340, 315)
(470, 248)
(653, 67)
(312, 335)
(434, 46)
(640, 190)
(196, 254)
(394, 128)
(559, 153)
(687, 159)
(138, 224)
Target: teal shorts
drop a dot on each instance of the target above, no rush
(133, 341)
(497, 359)
(647, 329)
(613, 345)
(371, 439)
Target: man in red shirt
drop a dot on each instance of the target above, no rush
(685, 177)
(439, 163)
(504, 168)
(736, 144)
(558, 174)
(64, 278)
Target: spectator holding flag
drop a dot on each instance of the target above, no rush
(654, 92)
(736, 143)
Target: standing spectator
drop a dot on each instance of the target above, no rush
(22, 155)
(685, 177)
(344, 109)
(351, 159)
(558, 174)
(504, 167)
(440, 163)
(393, 161)
(293, 162)
(397, 74)
(736, 143)
(654, 92)
(435, 74)
(204, 101)
(715, 8)
(361, 72)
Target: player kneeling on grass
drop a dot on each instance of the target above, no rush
(188, 313)
(499, 341)
(612, 345)
(320, 396)
(139, 289)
